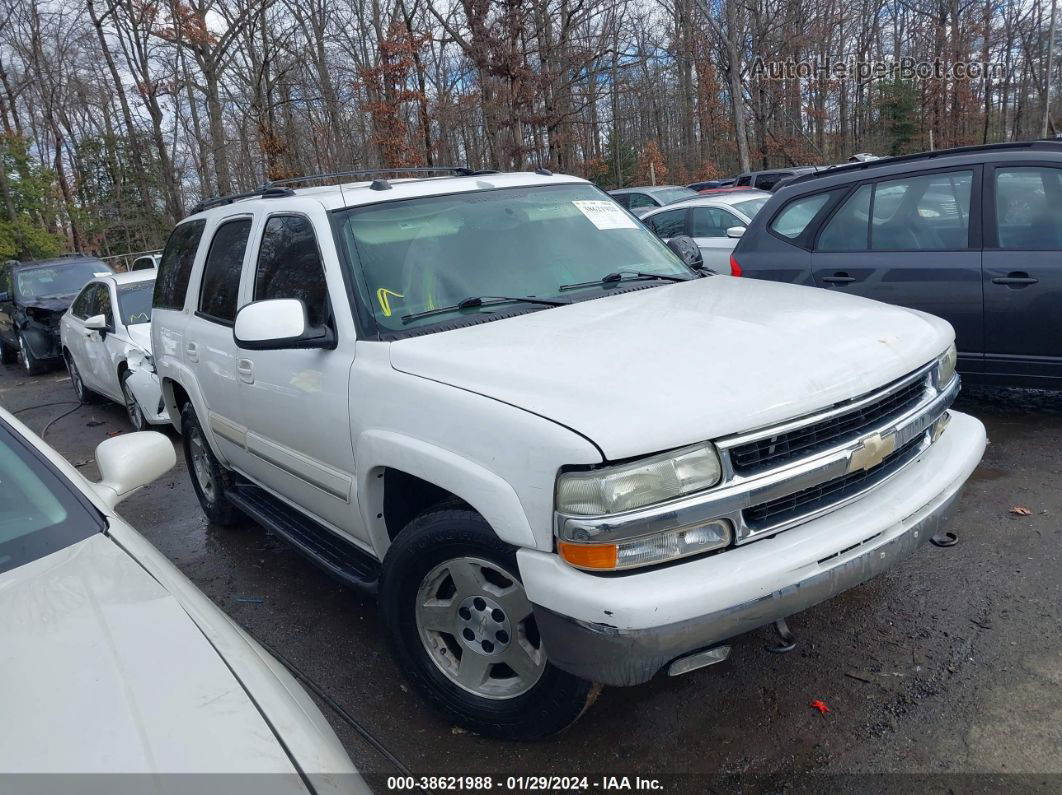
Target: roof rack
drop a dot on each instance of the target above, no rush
(1043, 144)
(275, 188)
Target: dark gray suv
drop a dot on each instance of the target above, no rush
(973, 235)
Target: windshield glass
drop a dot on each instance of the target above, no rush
(39, 513)
(418, 255)
(750, 207)
(134, 302)
(669, 195)
(64, 278)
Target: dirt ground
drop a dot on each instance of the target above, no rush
(949, 666)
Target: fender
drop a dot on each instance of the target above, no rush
(191, 387)
(42, 342)
(487, 493)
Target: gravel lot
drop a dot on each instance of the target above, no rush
(950, 664)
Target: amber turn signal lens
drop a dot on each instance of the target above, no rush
(589, 556)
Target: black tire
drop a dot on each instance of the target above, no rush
(8, 355)
(432, 540)
(83, 393)
(31, 364)
(132, 407)
(213, 498)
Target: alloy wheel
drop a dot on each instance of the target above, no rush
(132, 408)
(476, 623)
(201, 464)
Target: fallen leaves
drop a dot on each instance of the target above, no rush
(820, 706)
(1020, 510)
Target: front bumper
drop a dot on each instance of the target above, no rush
(621, 630)
(148, 393)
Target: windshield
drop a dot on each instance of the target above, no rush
(750, 207)
(669, 195)
(39, 513)
(418, 255)
(134, 302)
(47, 281)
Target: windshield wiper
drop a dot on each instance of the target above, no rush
(625, 276)
(485, 300)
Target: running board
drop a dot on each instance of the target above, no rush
(344, 561)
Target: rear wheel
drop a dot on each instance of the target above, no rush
(210, 479)
(461, 626)
(132, 407)
(84, 395)
(30, 363)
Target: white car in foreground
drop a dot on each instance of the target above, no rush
(106, 338)
(715, 222)
(111, 661)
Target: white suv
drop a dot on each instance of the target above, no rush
(560, 455)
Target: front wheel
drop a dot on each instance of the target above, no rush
(132, 406)
(31, 364)
(82, 392)
(210, 479)
(460, 625)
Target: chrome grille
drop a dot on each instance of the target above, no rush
(845, 426)
(813, 499)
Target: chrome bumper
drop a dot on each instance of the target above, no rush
(739, 492)
(605, 654)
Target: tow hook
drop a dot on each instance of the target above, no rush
(788, 638)
(946, 539)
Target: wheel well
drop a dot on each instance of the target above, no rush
(123, 365)
(406, 495)
(176, 399)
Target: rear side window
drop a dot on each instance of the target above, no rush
(176, 267)
(221, 273)
(289, 266)
(1027, 208)
(641, 200)
(744, 179)
(624, 199)
(794, 219)
(849, 229)
(927, 213)
(669, 224)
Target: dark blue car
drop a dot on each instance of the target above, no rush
(973, 235)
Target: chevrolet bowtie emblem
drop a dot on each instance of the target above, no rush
(875, 449)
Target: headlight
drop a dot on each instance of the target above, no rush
(642, 482)
(946, 366)
(647, 550)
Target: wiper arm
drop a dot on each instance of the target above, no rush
(626, 276)
(485, 300)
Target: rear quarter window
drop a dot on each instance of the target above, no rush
(175, 269)
(797, 215)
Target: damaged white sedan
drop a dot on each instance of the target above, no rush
(106, 338)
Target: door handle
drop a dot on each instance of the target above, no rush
(191, 350)
(839, 278)
(1015, 279)
(245, 370)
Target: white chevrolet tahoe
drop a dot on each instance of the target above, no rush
(561, 454)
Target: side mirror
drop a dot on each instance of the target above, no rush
(735, 231)
(97, 323)
(130, 461)
(687, 250)
(278, 324)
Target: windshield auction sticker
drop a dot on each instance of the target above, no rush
(605, 214)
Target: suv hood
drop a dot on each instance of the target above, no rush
(667, 366)
(101, 670)
(57, 303)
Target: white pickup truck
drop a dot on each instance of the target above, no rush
(561, 455)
